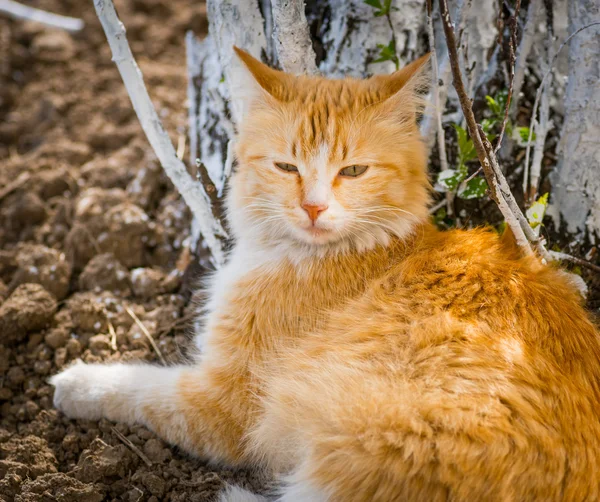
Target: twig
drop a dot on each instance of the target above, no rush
(113, 335)
(292, 37)
(26, 13)
(133, 447)
(11, 187)
(486, 156)
(192, 191)
(434, 209)
(573, 259)
(540, 90)
(512, 44)
(146, 333)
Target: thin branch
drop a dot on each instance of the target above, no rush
(512, 44)
(294, 45)
(573, 259)
(486, 156)
(17, 10)
(540, 90)
(133, 447)
(192, 191)
(146, 334)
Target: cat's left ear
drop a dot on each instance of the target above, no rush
(403, 89)
(255, 84)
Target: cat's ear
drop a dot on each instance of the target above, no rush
(255, 83)
(403, 90)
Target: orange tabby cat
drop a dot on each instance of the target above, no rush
(349, 346)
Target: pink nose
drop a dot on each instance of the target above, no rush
(314, 210)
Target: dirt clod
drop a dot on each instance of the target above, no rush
(105, 272)
(42, 265)
(30, 307)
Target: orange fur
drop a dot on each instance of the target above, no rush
(376, 359)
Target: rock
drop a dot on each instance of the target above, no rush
(30, 307)
(104, 271)
(53, 46)
(45, 266)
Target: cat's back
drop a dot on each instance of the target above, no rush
(463, 372)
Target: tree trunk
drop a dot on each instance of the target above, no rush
(576, 192)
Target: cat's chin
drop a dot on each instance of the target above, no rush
(317, 236)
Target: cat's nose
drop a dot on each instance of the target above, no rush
(314, 210)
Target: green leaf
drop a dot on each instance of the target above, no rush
(374, 3)
(535, 214)
(387, 53)
(524, 134)
(473, 189)
(449, 179)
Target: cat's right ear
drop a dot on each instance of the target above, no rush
(254, 84)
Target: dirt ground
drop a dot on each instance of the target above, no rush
(90, 230)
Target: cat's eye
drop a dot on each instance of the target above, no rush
(284, 166)
(353, 171)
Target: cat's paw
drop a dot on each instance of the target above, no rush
(78, 391)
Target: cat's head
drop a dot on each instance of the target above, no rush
(327, 164)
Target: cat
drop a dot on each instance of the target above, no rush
(350, 347)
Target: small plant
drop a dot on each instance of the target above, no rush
(383, 8)
(535, 214)
(456, 179)
(386, 52)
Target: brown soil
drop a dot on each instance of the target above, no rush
(90, 226)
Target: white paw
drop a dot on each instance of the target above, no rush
(79, 391)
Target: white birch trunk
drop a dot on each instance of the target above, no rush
(576, 191)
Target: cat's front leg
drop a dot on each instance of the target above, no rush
(189, 406)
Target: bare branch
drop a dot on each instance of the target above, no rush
(26, 13)
(294, 45)
(573, 259)
(486, 155)
(191, 190)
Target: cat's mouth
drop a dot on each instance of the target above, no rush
(318, 234)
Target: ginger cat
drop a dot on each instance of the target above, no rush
(350, 347)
